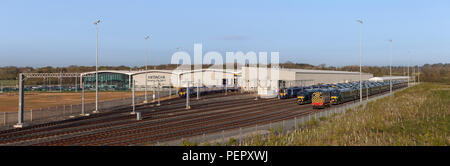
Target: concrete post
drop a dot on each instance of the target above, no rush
(76, 87)
(187, 97)
(21, 102)
(198, 90)
(71, 110)
(129, 81)
(132, 98)
(159, 93)
(82, 96)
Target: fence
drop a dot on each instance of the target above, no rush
(240, 134)
(62, 112)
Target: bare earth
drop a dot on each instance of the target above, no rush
(9, 101)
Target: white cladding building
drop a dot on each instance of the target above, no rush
(248, 78)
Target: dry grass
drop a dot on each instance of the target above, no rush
(36, 100)
(415, 116)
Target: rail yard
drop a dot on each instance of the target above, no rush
(212, 113)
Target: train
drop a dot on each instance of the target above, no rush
(325, 95)
(339, 94)
(304, 96)
(205, 90)
(291, 92)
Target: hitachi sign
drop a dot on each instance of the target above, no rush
(156, 77)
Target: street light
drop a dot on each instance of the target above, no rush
(96, 67)
(409, 61)
(360, 59)
(390, 70)
(146, 64)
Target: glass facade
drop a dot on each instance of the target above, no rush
(108, 81)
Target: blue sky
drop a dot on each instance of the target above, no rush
(61, 33)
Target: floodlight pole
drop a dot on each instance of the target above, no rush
(76, 86)
(96, 67)
(408, 66)
(159, 92)
(360, 61)
(390, 71)
(133, 95)
(146, 64)
(414, 75)
(82, 96)
(21, 102)
(60, 82)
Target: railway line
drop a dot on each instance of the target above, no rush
(115, 114)
(211, 114)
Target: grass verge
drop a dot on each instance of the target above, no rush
(415, 116)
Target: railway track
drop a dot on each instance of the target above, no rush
(93, 119)
(54, 132)
(173, 126)
(132, 121)
(213, 113)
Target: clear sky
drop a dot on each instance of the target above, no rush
(60, 33)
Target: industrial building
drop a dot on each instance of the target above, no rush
(303, 77)
(248, 78)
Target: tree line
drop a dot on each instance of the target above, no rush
(439, 72)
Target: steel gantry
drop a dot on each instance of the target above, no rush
(24, 76)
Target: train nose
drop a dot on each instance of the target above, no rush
(333, 98)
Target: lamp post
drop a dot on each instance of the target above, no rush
(390, 71)
(409, 61)
(146, 64)
(360, 59)
(418, 74)
(96, 67)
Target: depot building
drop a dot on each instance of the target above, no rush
(247, 78)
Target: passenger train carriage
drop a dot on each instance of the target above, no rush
(304, 96)
(286, 93)
(324, 95)
(183, 91)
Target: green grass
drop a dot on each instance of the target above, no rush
(415, 116)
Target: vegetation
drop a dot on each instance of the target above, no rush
(415, 116)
